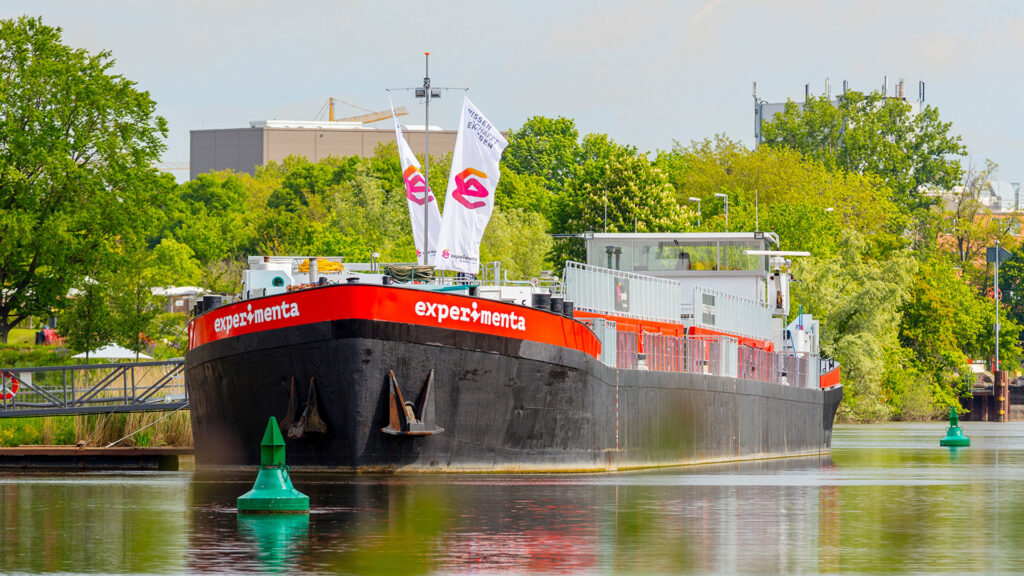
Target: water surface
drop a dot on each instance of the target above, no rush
(888, 500)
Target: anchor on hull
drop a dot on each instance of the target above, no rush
(406, 418)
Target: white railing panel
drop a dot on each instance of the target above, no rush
(724, 312)
(621, 293)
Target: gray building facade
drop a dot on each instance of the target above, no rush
(243, 149)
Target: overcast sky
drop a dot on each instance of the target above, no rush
(646, 73)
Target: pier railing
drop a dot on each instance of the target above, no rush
(721, 356)
(92, 388)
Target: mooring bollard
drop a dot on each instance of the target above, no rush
(273, 492)
(954, 434)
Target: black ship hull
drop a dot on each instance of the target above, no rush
(504, 404)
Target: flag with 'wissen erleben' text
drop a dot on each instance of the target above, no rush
(469, 201)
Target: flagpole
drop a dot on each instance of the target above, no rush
(428, 94)
(426, 165)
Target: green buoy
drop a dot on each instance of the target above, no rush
(954, 434)
(273, 492)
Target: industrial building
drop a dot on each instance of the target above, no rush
(243, 149)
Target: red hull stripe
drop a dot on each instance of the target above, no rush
(830, 378)
(392, 304)
(625, 324)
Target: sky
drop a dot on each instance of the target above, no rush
(646, 73)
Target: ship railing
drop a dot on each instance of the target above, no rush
(712, 355)
(724, 312)
(626, 294)
(606, 331)
(827, 364)
(758, 364)
(798, 369)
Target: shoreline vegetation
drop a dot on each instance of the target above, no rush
(94, 430)
(896, 218)
(99, 430)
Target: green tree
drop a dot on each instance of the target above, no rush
(304, 180)
(213, 216)
(858, 299)
(944, 325)
(86, 321)
(133, 308)
(525, 192)
(174, 264)
(778, 190)
(972, 225)
(353, 217)
(546, 148)
(518, 240)
(637, 196)
(1011, 285)
(873, 134)
(78, 143)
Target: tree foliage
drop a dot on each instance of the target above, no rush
(86, 321)
(896, 279)
(903, 323)
(547, 148)
(133, 308)
(870, 133)
(519, 240)
(858, 299)
(972, 226)
(779, 190)
(76, 145)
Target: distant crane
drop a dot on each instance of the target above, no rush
(367, 118)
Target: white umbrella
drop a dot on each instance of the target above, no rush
(112, 352)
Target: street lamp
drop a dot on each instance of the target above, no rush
(726, 198)
(697, 200)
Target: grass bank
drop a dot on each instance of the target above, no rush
(154, 429)
(94, 429)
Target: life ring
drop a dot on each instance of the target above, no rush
(7, 393)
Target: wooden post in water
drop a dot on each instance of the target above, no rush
(1000, 411)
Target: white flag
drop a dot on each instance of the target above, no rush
(470, 197)
(416, 190)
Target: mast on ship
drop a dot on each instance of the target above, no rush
(427, 94)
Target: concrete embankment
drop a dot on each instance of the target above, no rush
(73, 458)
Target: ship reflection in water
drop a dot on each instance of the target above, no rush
(888, 500)
(735, 517)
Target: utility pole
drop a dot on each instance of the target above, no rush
(995, 256)
(995, 292)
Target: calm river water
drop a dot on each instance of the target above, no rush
(888, 500)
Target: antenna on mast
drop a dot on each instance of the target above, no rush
(426, 158)
(428, 93)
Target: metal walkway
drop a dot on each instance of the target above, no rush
(93, 388)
